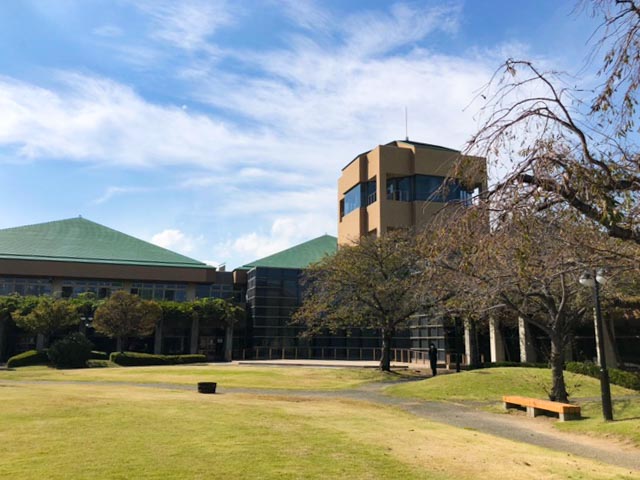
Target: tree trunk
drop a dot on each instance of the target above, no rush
(120, 344)
(385, 359)
(558, 390)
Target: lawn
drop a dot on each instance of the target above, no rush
(61, 431)
(488, 385)
(227, 376)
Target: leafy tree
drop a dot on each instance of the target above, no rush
(372, 284)
(45, 315)
(125, 315)
(8, 305)
(217, 309)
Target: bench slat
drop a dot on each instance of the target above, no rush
(565, 410)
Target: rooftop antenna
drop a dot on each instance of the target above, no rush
(406, 125)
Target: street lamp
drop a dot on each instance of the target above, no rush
(594, 280)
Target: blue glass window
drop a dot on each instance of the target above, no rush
(427, 186)
(400, 189)
(352, 199)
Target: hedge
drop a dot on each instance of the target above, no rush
(135, 359)
(92, 363)
(30, 357)
(96, 355)
(617, 377)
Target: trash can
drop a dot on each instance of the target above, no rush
(207, 387)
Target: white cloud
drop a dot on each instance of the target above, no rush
(176, 240)
(186, 24)
(111, 192)
(285, 232)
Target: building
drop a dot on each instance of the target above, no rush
(274, 292)
(401, 184)
(72, 256)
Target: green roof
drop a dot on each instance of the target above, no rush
(299, 256)
(80, 240)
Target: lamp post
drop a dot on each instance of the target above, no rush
(593, 280)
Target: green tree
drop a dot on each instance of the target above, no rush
(46, 315)
(217, 310)
(372, 284)
(8, 305)
(125, 315)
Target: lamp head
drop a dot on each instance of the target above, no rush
(587, 279)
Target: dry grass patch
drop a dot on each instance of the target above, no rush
(87, 431)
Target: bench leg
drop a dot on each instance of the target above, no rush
(533, 412)
(568, 416)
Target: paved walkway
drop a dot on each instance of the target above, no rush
(537, 431)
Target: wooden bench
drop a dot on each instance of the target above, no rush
(535, 406)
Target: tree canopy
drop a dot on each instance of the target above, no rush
(373, 284)
(45, 315)
(126, 315)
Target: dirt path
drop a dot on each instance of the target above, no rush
(537, 431)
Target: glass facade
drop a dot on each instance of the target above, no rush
(224, 291)
(424, 188)
(160, 291)
(25, 286)
(72, 288)
(273, 294)
(359, 196)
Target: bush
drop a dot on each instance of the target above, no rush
(96, 355)
(72, 351)
(135, 359)
(617, 377)
(92, 363)
(30, 357)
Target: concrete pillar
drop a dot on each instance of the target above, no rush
(609, 344)
(468, 347)
(157, 344)
(40, 342)
(3, 335)
(195, 334)
(496, 341)
(527, 350)
(228, 343)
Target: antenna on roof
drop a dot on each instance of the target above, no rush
(406, 125)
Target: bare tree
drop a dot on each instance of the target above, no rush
(525, 265)
(557, 149)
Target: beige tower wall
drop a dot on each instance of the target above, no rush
(388, 161)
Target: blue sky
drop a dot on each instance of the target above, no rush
(218, 129)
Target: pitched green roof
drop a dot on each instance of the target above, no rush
(80, 240)
(299, 256)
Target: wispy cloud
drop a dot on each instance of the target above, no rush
(186, 24)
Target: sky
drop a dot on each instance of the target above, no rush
(218, 129)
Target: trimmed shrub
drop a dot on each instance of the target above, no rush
(515, 364)
(91, 363)
(96, 355)
(30, 357)
(72, 351)
(617, 377)
(135, 359)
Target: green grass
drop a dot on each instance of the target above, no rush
(490, 384)
(626, 424)
(227, 376)
(61, 431)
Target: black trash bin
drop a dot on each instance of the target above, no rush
(207, 387)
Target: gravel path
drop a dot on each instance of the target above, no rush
(537, 431)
